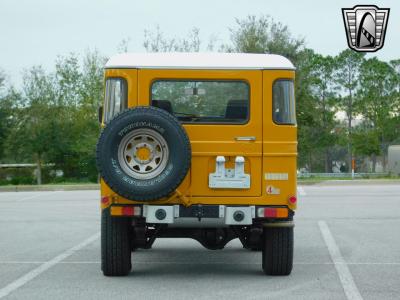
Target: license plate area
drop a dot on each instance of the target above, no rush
(201, 211)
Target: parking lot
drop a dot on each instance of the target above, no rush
(347, 246)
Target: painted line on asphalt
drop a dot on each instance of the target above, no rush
(36, 196)
(301, 191)
(16, 284)
(346, 279)
(24, 198)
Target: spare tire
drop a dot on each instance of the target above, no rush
(143, 154)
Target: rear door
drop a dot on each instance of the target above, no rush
(221, 111)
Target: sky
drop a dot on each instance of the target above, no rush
(35, 32)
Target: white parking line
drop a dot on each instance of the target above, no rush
(301, 191)
(44, 267)
(36, 196)
(346, 279)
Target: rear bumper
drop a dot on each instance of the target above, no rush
(198, 216)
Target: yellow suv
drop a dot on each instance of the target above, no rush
(198, 145)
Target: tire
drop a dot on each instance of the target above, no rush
(166, 159)
(115, 245)
(277, 252)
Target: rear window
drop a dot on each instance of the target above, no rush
(283, 102)
(197, 101)
(115, 97)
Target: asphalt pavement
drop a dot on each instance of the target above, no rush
(347, 246)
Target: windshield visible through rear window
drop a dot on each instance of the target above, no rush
(283, 102)
(203, 101)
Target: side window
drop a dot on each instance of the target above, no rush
(203, 101)
(283, 104)
(115, 97)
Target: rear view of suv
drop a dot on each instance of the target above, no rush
(198, 146)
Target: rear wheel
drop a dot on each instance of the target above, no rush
(115, 245)
(277, 250)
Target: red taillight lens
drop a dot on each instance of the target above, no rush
(292, 200)
(272, 212)
(127, 211)
(105, 200)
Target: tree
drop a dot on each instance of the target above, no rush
(347, 76)
(324, 95)
(2, 81)
(264, 35)
(395, 64)
(306, 110)
(155, 41)
(29, 136)
(79, 90)
(378, 102)
(5, 112)
(64, 107)
(366, 142)
(123, 46)
(86, 120)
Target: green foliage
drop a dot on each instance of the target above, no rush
(366, 142)
(53, 117)
(317, 133)
(378, 94)
(5, 113)
(262, 35)
(28, 138)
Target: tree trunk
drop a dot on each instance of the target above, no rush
(327, 162)
(350, 159)
(373, 163)
(350, 117)
(39, 171)
(384, 160)
(384, 149)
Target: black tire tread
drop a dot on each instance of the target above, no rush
(185, 163)
(277, 252)
(115, 245)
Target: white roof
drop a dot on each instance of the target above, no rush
(179, 60)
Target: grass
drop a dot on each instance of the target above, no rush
(318, 179)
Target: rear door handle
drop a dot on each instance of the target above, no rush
(245, 138)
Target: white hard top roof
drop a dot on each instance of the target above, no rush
(179, 60)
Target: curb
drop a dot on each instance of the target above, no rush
(61, 187)
(353, 182)
(95, 187)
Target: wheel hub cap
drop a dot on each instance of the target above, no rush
(143, 153)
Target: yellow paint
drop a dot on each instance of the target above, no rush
(273, 151)
(143, 153)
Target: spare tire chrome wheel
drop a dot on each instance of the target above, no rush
(143, 153)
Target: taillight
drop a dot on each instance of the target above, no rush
(105, 200)
(127, 211)
(292, 200)
(272, 212)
